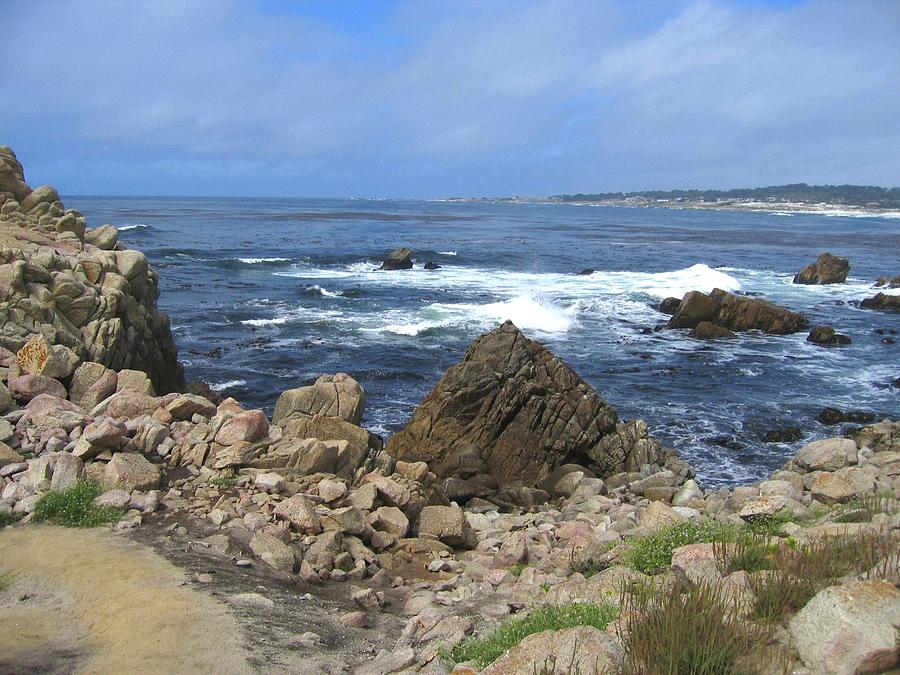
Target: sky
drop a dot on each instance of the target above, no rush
(427, 99)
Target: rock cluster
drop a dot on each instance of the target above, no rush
(512, 411)
(827, 269)
(735, 313)
(81, 290)
(826, 336)
(882, 302)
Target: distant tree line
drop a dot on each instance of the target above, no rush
(851, 195)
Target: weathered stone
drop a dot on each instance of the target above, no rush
(272, 551)
(91, 383)
(523, 407)
(826, 336)
(842, 485)
(849, 629)
(398, 259)
(128, 404)
(882, 302)
(391, 491)
(67, 471)
(828, 269)
(8, 455)
(331, 490)
(332, 395)
(300, 513)
(765, 505)
(187, 405)
(696, 563)
(117, 499)
(5, 398)
(28, 387)
(249, 426)
(390, 519)
(736, 313)
(131, 471)
(270, 482)
(364, 497)
(659, 514)
(829, 454)
(448, 524)
(582, 649)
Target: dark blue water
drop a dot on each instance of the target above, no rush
(266, 295)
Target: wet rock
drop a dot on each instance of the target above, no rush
(850, 628)
(825, 336)
(828, 269)
(430, 265)
(524, 409)
(669, 306)
(785, 435)
(331, 396)
(889, 282)
(832, 416)
(736, 313)
(882, 302)
(398, 259)
(710, 331)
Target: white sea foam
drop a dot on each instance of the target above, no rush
(257, 261)
(447, 253)
(316, 289)
(135, 226)
(276, 321)
(222, 386)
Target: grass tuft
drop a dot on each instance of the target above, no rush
(224, 481)
(517, 569)
(653, 554)
(485, 650)
(695, 630)
(6, 579)
(74, 507)
(7, 518)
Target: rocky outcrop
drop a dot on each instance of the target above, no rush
(827, 337)
(888, 282)
(398, 259)
(526, 412)
(706, 330)
(882, 302)
(736, 313)
(74, 295)
(828, 269)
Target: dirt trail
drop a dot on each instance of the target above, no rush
(92, 601)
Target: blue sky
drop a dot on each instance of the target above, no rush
(430, 99)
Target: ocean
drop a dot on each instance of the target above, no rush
(268, 294)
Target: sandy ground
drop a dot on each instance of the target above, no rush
(96, 601)
(93, 602)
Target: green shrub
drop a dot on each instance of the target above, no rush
(696, 630)
(224, 481)
(74, 507)
(751, 553)
(5, 580)
(517, 569)
(485, 650)
(9, 518)
(653, 554)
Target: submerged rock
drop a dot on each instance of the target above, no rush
(828, 269)
(890, 282)
(825, 336)
(525, 410)
(398, 259)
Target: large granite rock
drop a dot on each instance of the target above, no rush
(70, 299)
(398, 259)
(736, 313)
(525, 410)
(828, 269)
(332, 396)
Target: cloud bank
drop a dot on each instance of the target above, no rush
(431, 99)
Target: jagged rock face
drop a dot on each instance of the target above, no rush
(78, 289)
(828, 269)
(735, 313)
(525, 409)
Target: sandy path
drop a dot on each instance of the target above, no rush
(97, 602)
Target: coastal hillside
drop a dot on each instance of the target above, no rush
(515, 525)
(867, 196)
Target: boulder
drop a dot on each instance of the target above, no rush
(12, 175)
(669, 306)
(524, 410)
(5, 398)
(38, 357)
(300, 512)
(332, 396)
(832, 416)
(398, 259)
(67, 471)
(736, 313)
(842, 485)
(829, 454)
(104, 237)
(131, 471)
(849, 629)
(185, 406)
(582, 649)
(272, 551)
(882, 302)
(828, 269)
(431, 265)
(91, 383)
(449, 524)
(825, 336)
(134, 380)
(29, 387)
(249, 426)
(390, 519)
(9, 456)
(889, 282)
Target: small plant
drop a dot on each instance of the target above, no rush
(653, 554)
(517, 569)
(224, 481)
(749, 553)
(485, 650)
(769, 526)
(74, 507)
(6, 578)
(870, 505)
(588, 567)
(9, 518)
(695, 630)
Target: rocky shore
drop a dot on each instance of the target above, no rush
(514, 494)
